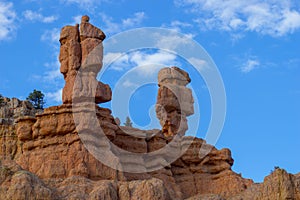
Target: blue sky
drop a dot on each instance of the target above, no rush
(255, 45)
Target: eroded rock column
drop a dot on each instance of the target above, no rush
(174, 101)
(81, 52)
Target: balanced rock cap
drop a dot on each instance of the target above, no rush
(85, 19)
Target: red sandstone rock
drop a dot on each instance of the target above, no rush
(87, 30)
(278, 185)
(81, 55)
(53, 151)
(92, 55)
(16, 183)
(24, 128)
(174, 101)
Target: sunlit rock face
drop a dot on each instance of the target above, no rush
(81, 54)
(174, 101)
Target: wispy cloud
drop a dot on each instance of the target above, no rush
(173, 40)
(250, 65)
(76, 19)
(181, 27)
(52, 73)
(54, 96)
(112, 27)
(199, 64)
(147, 63)
(89, 5)
(275, 18)
(37, 16)
(133, 21)
(7, 20)
(128, 83)
(53, 77)
(178, 25)
(159, 57)
(293, 63)
(51, 37)
(117, 61)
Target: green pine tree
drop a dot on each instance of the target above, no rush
(37, 99)
(1, 99)
(128, 122)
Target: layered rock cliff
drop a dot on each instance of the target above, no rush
(51, 155)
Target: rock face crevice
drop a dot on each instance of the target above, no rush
(43, 155)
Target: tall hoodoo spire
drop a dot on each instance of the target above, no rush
(82, 50)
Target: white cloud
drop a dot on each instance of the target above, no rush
(118, 61)
(147, 63)
(275, 18)
(51, 37)
(199, 64)
(112, 27)
(54, 96)
(177, 23)
(77, 19)
(136, 20)
(84, 4)
(180, 27)
(128, 83)
(36, 16)
(173, 40)
(160, 57)
(53, 72)
(290, 22)
(7, 20)
(250, 65)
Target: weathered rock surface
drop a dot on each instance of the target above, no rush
(12, 109)
(20, 184)
(207, 197)
(49, 147)
(81, 54)
(279, 185)
(174, 101)
(53, 149)
(16, 183)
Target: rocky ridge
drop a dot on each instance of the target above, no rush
(11, 109)
(43, 155)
